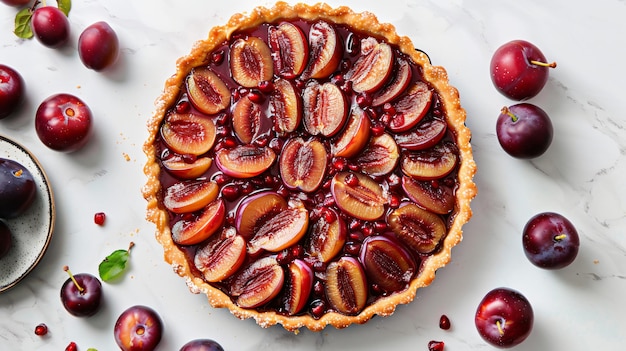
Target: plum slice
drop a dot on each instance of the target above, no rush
(303, 164)
(419, 229)
(346, 285)
(251, 62)
(358, 195)
(325, 108)
(411, 108)
(432, 195)
(280, 231)
(256, 210)
(432, 163)
(285, 106)
(298, 286)
(197, 229)
(380, 156)
(387, 263)
(247, 119)
(207, 91)
(355, 135)
(396, 85)
(327, 236)
(179, 168)
(373, 68)
(258, 283)
(325, 50)
(426, 135)
(221, 257)
(245, 161)
(290, 49)
(190, 196)
(188, 134)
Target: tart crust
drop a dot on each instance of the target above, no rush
(367, 23)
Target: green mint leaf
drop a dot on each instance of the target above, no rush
(65, 6)
(22, 24)
(114, 265)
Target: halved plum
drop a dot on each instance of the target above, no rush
(197, 229)
(221, 256)
(358, 195)
(280, 231)
(245, 161)
(256, 210)
(285, 106)
(346, 285)
(251, 62)
(188, 134)
(380, 156)
(433, 163)
(426, 135)
(327, 236)
(298, 286)
(372, 69)
(179, 168)
(303, 164)
(258, 283)
(411, 108)
(325, 108)
(432, 195)
(397, 84)
(325, 51)
(247, 119)
(419, 229)
(207, 91)
(387, 263)
(290, 49)
(355, 135)
(190, 196)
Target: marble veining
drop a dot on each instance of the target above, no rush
(578, 308)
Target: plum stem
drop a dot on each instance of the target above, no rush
(560, 237)
(499, 325)
(130, 246)
(67, 269)
(543, 64)
(505, 110)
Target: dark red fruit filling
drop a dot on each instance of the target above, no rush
(323, 173)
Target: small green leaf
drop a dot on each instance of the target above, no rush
(22, 24)
(114, 265)
(65, 6)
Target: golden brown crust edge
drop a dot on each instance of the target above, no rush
(368, 23)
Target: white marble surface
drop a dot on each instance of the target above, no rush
(581, 176)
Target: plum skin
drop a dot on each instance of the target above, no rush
(63, 122)
(17, 190)
(11, 90)
(50, 26)
(138, 328)
(504, 317)
(82, 303)
(550, 241)
(202, 345)
(524, 130)
(6, 240)
(98, 46)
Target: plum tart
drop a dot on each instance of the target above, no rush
(308, 166)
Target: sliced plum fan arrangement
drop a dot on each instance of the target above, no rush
(308, 167)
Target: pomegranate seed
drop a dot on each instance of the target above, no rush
(329, 201)
(221, 119)
(266, 86)
(229, 142)
(378, 129)
(355, 224)
(230, 218)
(189, 158)
(217, 57)
(183, 107)
(256, 96)
(393, 180)
(367, 230)
(356, 236)
(230, 192)
(346, 87)
(435, 345)
(338, 79)
(319, 266)
(296, 251)
(282, 191)
(317, 308)
(283, 257)
(380, 226)
(352, 248)
(376, 289)
(71, 347)
(220, 179)
(434, 183)
(444, 322)
(318, 288)
(246, 189)
(364, 100)
(329, 216)
(387, 107)
(351, 180)
(41, 329)
(327, 184)
(394, 201)
(262, 141)
(340, 164)
(99, 218)
(385, 118)
(354, 167)
(345, 65)
(276, 144)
